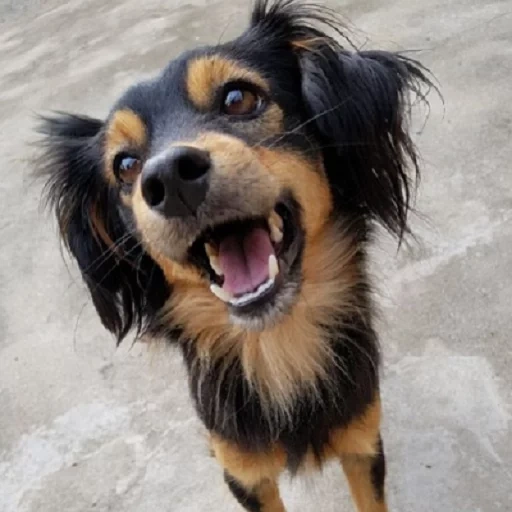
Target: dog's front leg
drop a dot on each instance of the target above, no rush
(262, 497)
(251, 476)
(365, 475)
(359, 447)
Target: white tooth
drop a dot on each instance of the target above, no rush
(273, 266)
(213, 256)
(276, 219)
(222, 294)
(275, 224)
(210, 250)
(276, 234)
(214, 263)
(250, 296)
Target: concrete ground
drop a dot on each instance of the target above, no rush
(86, 427)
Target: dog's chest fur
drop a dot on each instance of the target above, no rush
(233, 409)
(312, 373)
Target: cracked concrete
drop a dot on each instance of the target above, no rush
(86, 427)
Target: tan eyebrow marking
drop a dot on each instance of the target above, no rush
(125, 128)
(206, 74)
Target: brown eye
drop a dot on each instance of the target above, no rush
(127, 168)
(240, 101)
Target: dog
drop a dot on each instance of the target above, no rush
(227, 205)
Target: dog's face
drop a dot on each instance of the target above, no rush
(220, 176)
(216, 175)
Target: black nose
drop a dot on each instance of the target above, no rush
(175, 183)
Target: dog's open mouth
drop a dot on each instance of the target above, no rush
(249, 260)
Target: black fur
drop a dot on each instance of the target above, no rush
(364, 127)
(126, 286)
(353, 104)
(378, 471)
(348, 107)
(234, 411)
(356, 106)
(247, 499)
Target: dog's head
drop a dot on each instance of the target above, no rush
(222, 181)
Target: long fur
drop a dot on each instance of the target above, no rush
(318, 369)
(357, 106)
(279, 372)
(358, 103)
(126, 286)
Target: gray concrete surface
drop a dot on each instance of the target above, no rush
(86, 427)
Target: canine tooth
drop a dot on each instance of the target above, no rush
(273, 266)
(276, 219)
(276, 234)
(222, 294)
(275, 224)
(210, 250)
(214, 263)
(213, 256)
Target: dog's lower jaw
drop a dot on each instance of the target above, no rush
(269, 315)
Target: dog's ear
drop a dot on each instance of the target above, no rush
(358, 103)
(125, 284)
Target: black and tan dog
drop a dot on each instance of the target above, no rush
(227, 204)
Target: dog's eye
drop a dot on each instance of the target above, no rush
(127, 168)
(240, 101)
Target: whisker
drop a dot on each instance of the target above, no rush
(110, 251)
(303, 124)
(75, 330)
(104, 256)
(134, 248)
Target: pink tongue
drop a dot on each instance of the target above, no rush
(244, 261)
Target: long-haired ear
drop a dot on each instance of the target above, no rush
(359, 102)
(125, 284)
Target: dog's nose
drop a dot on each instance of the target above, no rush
(176, 183)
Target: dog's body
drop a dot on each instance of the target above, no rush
(227, 205)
